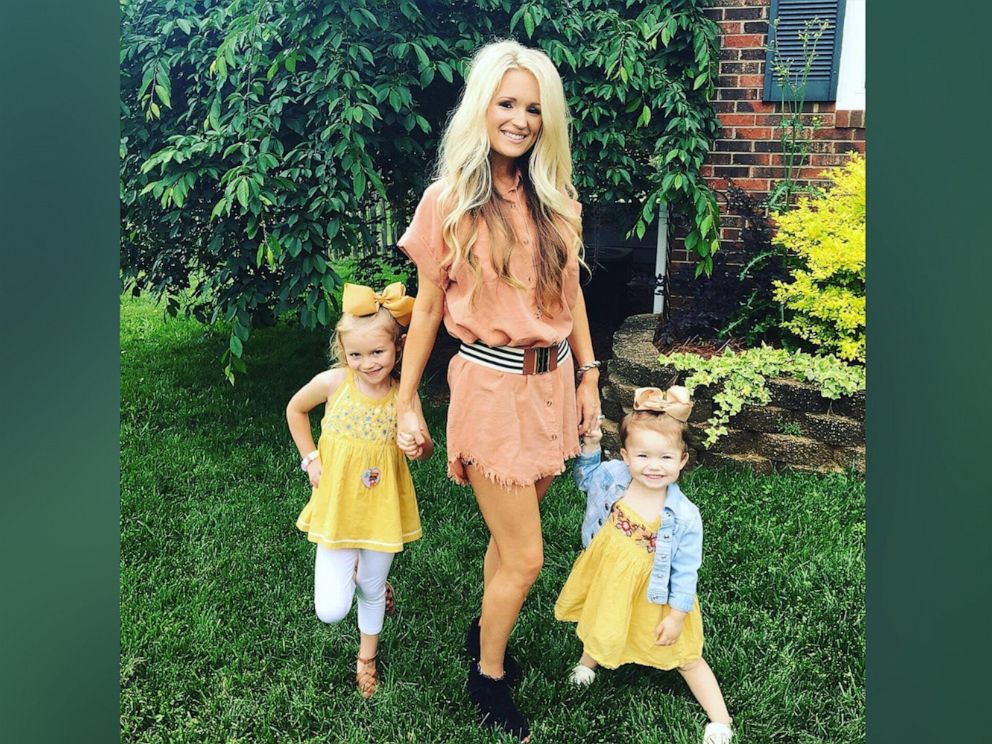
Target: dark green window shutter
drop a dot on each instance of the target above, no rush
(821, 85)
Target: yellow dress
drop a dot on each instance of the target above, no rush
(365, 498)
(607, 595)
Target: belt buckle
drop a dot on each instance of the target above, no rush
(540, 360)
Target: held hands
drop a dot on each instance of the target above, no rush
(591, 439)
(411, 434)
(313, 472)
(587, 402)
(408, 445)
(670, 628)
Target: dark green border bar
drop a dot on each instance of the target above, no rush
(60, 376)
(929, 515)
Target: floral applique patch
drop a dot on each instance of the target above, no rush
(644, 537)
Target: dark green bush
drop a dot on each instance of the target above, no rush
(257, 137)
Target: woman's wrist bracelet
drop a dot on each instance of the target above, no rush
(594, 364)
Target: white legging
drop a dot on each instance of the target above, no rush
(334, 586)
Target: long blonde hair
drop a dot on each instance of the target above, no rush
(546, 173)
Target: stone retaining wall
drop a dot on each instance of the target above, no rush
(799, 428)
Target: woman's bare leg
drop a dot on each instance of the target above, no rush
(491, 562)
(513, 517)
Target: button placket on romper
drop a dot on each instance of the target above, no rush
(526, 239)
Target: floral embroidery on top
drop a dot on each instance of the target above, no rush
(638, 532)
(357, 419)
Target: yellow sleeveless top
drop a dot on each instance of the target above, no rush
(365, 498)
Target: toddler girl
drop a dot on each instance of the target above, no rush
(632, 592)
(362, 509)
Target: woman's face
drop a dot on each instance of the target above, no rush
(513, 119)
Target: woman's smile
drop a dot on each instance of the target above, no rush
(513, 136)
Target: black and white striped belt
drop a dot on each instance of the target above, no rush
(516, 360)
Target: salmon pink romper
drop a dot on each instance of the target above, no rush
(515, 428)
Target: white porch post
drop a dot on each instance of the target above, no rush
(661, 255)
(851, 70)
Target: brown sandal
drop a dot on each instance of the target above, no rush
(367, 681)
(390, 600)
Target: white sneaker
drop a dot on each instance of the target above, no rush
(582, 676)
(717, 733)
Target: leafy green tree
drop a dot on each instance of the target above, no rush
(258, 138)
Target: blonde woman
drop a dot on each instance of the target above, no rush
(497, 243)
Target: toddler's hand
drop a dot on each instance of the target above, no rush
(313, 472)
(408, 445)
(668, 630)
(592, 438)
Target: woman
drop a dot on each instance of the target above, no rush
(497, 244)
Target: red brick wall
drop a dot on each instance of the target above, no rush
(749, 150)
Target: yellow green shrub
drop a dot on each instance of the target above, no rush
(826, 234)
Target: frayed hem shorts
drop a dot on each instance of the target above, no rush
(334, 585)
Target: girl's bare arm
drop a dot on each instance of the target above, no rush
(311, 395)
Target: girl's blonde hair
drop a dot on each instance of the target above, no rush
(348, 323)
(655, 421)
(546, 173)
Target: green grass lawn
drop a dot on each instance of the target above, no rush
(219, 642)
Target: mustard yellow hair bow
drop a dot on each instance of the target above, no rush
(675, 401)
(361, 300)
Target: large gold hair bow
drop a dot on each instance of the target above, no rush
(675, 401)
(361, 300)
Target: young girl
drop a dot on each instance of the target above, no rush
(633, 590)
(497, 243)
(362, 509)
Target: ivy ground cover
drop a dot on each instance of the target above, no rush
(219, 642)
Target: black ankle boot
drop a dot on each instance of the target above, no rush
(511, 669)
(495, 703)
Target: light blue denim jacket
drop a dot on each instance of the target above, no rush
(679, 547)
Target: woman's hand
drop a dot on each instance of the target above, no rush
(669, 629)
(587, 402)
(313, 472)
